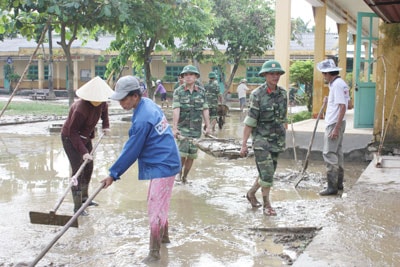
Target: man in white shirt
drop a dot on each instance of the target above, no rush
(241, 90)
(337, 102)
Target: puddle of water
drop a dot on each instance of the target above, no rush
(209, 217)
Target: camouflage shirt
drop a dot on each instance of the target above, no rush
(267, 117)
(212, 93)
(191, 109)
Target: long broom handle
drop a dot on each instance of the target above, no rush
(66, 226)
(310, 146)
(58, 204)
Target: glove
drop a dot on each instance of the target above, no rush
(88, 157)
(107, 131)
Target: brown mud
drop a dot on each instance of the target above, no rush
(211, 222)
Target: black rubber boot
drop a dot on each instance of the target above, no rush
(332, 189)
(165, 235)
(85, 195)
(154, 251)
(77, 197)
(340, 178)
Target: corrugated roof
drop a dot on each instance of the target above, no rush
(308, 40)
(14, 45)
(387, 10)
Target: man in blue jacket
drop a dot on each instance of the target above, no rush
(152, 143)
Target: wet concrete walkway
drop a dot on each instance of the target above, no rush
(364, 225)
(365, 228)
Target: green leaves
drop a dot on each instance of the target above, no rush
(245, 27)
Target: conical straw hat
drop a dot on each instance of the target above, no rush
(95, 90)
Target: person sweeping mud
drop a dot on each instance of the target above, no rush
(189, 106)
(337, 102)
(152, 143)
(266, 122)
(78, 131)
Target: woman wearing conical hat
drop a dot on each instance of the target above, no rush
(79, 130)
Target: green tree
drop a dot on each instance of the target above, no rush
(246, 28)
(11, 75)
(72, 19)
(302, 72)
(298, 27)
(154, 26)
(84, 19)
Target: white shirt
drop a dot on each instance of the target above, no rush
(242, 88)
(338, 94)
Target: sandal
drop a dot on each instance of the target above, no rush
(253, 201)
(269, 211)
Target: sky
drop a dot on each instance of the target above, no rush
(302, 9)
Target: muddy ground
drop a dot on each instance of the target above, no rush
(211, 222)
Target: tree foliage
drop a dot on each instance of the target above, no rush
(298, 27)
(155, 25)
(302, 72)
(72, 19)
(245, 28)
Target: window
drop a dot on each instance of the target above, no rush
(252, 72)
(46, 72)
(33, 72)
(173, 71)
(100, 71)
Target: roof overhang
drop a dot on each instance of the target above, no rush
(346, 12)
(387, 10)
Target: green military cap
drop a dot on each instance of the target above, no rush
(190, 69)
(271, 66)
(212, 75)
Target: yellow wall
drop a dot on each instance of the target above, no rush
(389, 54)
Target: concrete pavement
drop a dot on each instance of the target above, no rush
(365, 228)
(355, 141)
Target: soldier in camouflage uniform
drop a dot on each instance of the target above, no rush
(189, 108)
(212, 94)
(266, 122)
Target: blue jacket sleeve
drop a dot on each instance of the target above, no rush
(130, 151)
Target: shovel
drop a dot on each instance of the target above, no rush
(52, 218)
(305, 165)
(67, 225)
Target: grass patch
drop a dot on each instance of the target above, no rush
(301, 116)
(34, 108)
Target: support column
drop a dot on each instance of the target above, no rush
(282, 38)
(319, 88)
(92, 68)
(57, 76)
(40, 73)
(342, 31)
(76, 74)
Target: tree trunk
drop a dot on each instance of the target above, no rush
(147, 60)
(71, 92)
(52, 95)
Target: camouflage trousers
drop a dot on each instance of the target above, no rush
(213, 113)
(266, 162)
(187, 149)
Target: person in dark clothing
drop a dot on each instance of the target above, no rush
(79, 130)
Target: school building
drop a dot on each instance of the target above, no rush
(90, 60)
